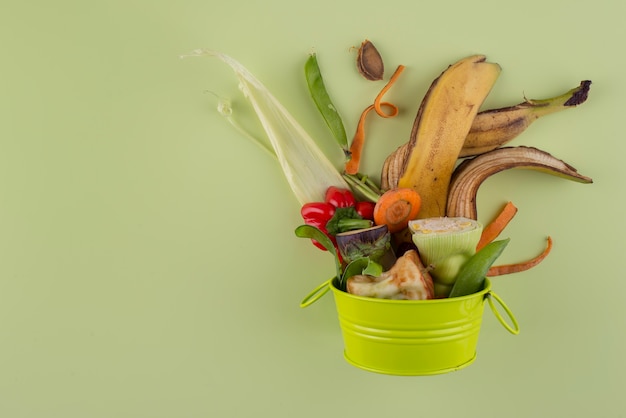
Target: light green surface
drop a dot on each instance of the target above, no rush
(148, 262)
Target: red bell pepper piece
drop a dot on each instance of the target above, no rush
(339, 212)
(365, 209)
(339, 198)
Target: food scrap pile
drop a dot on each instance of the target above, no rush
(412, 234)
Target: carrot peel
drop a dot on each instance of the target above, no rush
(378, 100)
(497, 225)
(518, 267)
(358, 141)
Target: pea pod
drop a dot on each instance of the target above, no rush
(471, 277)
(322, 100)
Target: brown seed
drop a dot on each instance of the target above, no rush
(369, 62)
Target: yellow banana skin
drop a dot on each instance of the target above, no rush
(442, 123)
(471, 173)
(494, 128)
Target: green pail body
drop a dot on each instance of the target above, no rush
(403, 337)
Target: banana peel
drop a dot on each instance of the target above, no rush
(441, 125)
(471, 173)
(493, 128)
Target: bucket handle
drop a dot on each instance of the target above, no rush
(512, 329)
(316, 293)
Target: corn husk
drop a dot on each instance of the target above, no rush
(307, 169)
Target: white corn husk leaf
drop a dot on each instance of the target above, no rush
(307, 169)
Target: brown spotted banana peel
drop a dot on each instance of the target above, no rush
(392, 167)
(493, 128)
(441, 125)
(471, 173)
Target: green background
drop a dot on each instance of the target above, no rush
(148, 262)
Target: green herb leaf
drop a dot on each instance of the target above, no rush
(373, 269)
(363, 265)
(309, 231)
(340, 222)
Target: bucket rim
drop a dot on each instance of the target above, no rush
(332, 284)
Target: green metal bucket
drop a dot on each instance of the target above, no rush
(405, 337)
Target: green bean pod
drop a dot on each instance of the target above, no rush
(323, 102)
(471, 277)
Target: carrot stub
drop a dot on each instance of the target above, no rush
(358, 141)
(497, 225)
(517, 267)
(396, 207)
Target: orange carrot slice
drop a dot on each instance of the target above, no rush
(517, 267)
(497, 225)
(396, 207)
